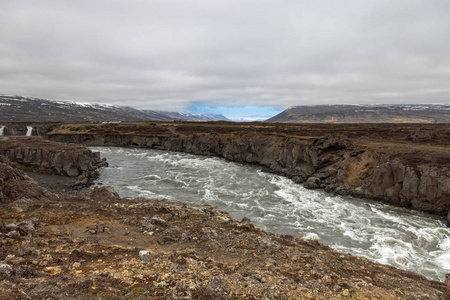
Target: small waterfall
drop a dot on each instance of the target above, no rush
(29, 130)
(2, 128)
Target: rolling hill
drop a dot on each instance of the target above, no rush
(430, 113)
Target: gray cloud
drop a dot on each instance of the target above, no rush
(169, 54)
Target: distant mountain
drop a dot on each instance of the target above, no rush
(20, 108)
(432, 113)
(193, 117)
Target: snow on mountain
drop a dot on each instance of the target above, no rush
(21, 108)
(376, 113)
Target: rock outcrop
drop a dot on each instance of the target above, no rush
(37, 155)
(15, 186)
(423, 187)
(21, 129)
(334, 162)
(15, 130)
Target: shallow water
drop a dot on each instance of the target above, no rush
(399, 237)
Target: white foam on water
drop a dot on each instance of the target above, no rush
(242, 205)
(443, 257)
(172, 182)
(209, 196)
(139, 155)
(351, 234)
(2, 128)
(152, 177)
(396, 236)
(311, 236)
(363, 224)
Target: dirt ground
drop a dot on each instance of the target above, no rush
(88, 246)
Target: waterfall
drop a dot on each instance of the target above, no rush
(1, 130)
(29, 130)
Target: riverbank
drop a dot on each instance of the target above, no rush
(401, 164)
(97, 245)
(78, 245)
(395, 236)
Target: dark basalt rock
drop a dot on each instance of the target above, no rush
(312, 183)
(343, 166)
(41, 156)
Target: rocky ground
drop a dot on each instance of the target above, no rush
(56, 243)
(94, 245)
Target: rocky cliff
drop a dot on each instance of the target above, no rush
(18, 129)
(38, 155)
(22, 128)
(397, 174)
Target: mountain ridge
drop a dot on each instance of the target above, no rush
(21, 108)
(359, 113)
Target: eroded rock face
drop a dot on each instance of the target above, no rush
(339, 165)
(423, 187)
(21, 129)
(13, 130)
(37, 155)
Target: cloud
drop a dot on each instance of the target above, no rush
(171, 54)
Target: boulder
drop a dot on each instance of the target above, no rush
(158, 221)
(22, 204)
(6, 270)
(312, 183)
(105, 192)
(144, 255)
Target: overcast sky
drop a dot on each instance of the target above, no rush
(217, 55)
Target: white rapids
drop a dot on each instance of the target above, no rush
(2, 128)
(399, 237)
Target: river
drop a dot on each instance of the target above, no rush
(395, 236)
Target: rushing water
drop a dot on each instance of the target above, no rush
(406, 239)
(2, 128)
(29, 130)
